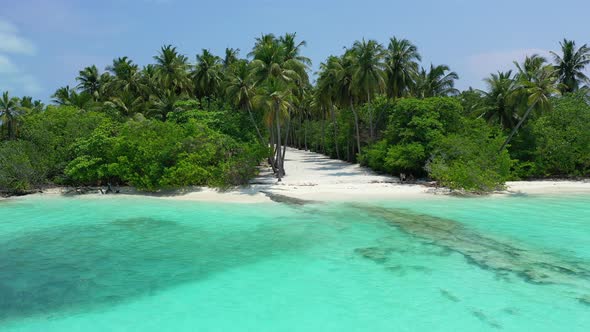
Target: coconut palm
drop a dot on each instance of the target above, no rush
(172, 70)
(126, 76)
(438, 81)
(293, 59)
(368, 73)
(62, 95)
(9, 112)
(530, 67)
(500, 100)
(326, 89)
(276, 98)
(29, 106)
(570, 65)
(269, 61)
(89, 81)
(241, 89)
(346, 93)
(207, 75)
(126, 103)
(538, 92)
(163, 103)
(401, 66)
(231, 57)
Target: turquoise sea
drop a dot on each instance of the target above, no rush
(120, 263)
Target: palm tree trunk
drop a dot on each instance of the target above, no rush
(286, 140)
(271, 158)
(513, 132)
(305, 132)
(371, 129)
(279, 155)
(356, 125)
(335, 132)
(255, 125)
(323, 132)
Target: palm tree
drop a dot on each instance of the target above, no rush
(231, 57)
(570, 65)
(164, 103)
(126, 103)
(269, 61)
(327, 89)
(401, 66)
(346, 94)
(28, 105)
(126, 76)
(367, 73)
(500, 99)
(538, 92)
(171, 70)
(9, 112)
(276, 98)
(530, 67)
(438, 81)
(89, 81)
(207, 74)
(293, 59)
(62, 95)
(240, 89)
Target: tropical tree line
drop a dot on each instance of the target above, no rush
(348, 111)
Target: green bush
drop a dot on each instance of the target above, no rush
(21, 166)
(563, 138)
(470, 159)
(150, 154)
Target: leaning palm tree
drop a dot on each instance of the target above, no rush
(401, 66)
(570, 65)
(367, 76)
(538, 92)
(500, 100)
(9, 112)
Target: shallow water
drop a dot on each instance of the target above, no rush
(442, 264)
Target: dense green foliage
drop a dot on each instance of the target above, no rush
(174, 123)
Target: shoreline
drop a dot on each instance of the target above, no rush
(312, 177)
(344, 192)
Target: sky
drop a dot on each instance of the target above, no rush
(44, 43)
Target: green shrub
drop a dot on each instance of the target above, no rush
(470, 159)
(21, 166)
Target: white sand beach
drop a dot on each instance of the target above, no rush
(312, 176)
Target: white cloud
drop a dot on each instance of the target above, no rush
(481, 65)
(12, 77)
(12, 42)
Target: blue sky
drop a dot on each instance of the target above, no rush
(44, 43)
